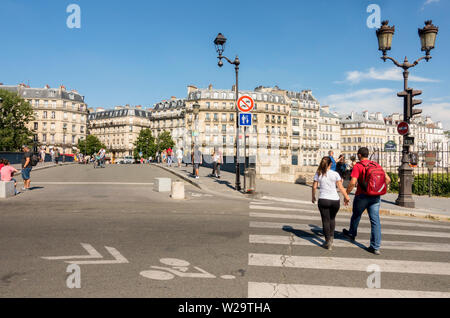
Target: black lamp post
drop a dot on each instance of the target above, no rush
(427, 39)
(220, 48)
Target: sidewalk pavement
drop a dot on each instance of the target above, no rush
(436, 208)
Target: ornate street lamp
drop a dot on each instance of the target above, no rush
(427, 39)
(220, 48)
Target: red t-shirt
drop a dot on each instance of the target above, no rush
(358, 173)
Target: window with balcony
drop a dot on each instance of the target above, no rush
(44, 114)
(53, 115)
(36, 126)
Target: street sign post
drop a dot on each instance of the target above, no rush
(408, 141)
(245, 119)
(390, 146)
(403, 128)
(245, 104)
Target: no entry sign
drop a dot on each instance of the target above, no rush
(245, 104)
(403, 128)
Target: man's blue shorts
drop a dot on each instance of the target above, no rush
(26, 173)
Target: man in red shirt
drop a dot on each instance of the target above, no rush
(364, 201)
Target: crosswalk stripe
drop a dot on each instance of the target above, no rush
(286, 200)
(318, 218)
(348, 264)
(270, 290)
(316, 211)
(311, 241)
(273, 225)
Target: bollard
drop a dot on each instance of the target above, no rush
(250, 185)
(162, 185)
(177, 190)
(6, 189)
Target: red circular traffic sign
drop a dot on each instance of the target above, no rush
(245, 104)
(403, 128)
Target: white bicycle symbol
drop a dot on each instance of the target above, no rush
(178, 268)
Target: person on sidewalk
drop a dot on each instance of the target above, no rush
(341, 166)
(217, 161)
(7, 173)
(372, 182)
(179, 156)
(169, 157)
(329, 201)
(26, 167)
(333, 162)
(197, 160)
(57, 155)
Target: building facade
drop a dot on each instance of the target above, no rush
(119, 128)
(329, 132)
(60, 116)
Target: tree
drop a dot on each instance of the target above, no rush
(165, 141)
(92, 147)
(15, 114)
(145, 143)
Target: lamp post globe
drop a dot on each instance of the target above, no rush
(384, 35)
(428, 37)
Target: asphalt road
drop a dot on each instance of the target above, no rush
(204, 246)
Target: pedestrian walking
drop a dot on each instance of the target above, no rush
(353, 162)
(372, 182)
(179, 156)
(329, 201)
(169, 157)
(26, 167)
(341, 166)
(333, 165)
(57, 154)
(42, 155)
(217, 161)
(7, 173)
(197, 160)
(52, 155)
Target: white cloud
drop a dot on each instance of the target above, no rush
(390, 74)
(429, 2)
(438, 112)
(384, 100)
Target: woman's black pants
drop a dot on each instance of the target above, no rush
(328, 210)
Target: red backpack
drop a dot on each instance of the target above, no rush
(373, 181)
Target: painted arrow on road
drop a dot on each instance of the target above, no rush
(118, 258)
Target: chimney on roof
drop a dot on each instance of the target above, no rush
(173, 98)
(47, 86)
(352, 115)
(138, 107)
(326, 109)
(233, 88)
(192, 88)
(210, 87)
(366, 115)
(62, 87)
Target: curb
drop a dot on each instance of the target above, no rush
(199, 186)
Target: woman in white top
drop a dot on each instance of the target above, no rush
(329, 200)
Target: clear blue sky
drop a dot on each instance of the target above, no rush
(140, 52)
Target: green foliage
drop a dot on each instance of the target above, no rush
(15, 114)
(145, 143)
(92, 147)
(440, 184)
(165, 141)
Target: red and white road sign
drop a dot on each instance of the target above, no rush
(245, 104)
(403, 128)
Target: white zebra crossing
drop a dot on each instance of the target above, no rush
(317, 218)
(271, 290)
(296, 226)
(315, 210)
(311, 241)
(284, 289)
(348, 264)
